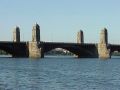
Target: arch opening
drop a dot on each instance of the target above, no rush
(59, 52)
(4, 53)
(115, 53)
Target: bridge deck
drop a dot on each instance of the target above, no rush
(84, 49)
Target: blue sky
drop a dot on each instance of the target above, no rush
(60, 20)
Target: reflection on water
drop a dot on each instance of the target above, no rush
(59, 73)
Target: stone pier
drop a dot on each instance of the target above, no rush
(16, 34)
(80, 37)
(103, 50)
(35, 51)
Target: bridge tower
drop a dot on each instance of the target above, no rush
(36, 33)
(35, 51)
(103, 50)
(80, 37)
(104, 36)
(16, 34)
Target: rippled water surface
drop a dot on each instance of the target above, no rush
(59, 73)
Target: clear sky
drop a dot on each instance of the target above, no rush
(60, 20)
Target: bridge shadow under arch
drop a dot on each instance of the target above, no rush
(114, 49)
(80, 50)
(15, 49)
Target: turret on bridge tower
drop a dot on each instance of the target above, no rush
(16, 34)
(104, 36)
(103, 50)
(80, 37)
(36, 33)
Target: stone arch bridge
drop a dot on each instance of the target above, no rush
(37, 48)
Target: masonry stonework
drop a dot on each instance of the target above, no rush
(80, 37)
(36, 33)
(16, 34)
(35, 51)
(103, 50)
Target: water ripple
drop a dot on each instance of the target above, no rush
(59, 74)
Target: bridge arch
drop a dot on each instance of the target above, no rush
(114, 49)
(15, 49)
(6, 48)
(59, 51)
(81, 51)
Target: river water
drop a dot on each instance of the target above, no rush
(59, 73)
